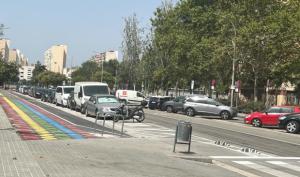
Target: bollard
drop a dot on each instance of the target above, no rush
(183, 134)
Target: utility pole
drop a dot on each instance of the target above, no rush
(232, 87)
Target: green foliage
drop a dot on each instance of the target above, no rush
(8, 72)
(47, 78)
(198, 40)
(90, 71)
(252, 107)
(38, 69)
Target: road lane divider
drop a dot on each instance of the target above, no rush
(44, 134)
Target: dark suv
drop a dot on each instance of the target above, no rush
(174, 105)
(156, 102)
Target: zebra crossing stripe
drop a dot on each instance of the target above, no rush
(264, 169)
(285, 165)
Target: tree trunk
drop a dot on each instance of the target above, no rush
(176, 88)
(255, 88)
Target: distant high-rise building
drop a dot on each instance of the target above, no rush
(25, 72)
(105, 56)
(4, 49)
(14, 56)
(23, 60)
(55, 58)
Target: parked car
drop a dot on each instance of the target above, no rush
(71, 102)
(174, 105)
(290, 122)
(62, 93)
(199, 104)
(84, 90)
(105, 105)
(269, 117)
(156, 102)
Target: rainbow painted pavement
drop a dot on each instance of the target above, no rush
(34, 123)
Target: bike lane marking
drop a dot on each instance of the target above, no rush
(48, 127)
(60, 120)
(44, 134)
(55, 124)
(23, 129)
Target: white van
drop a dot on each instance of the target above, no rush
(131, 96)
(62, 93)
(83, 91)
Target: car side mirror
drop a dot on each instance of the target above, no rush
(80, 94)
(94, 102)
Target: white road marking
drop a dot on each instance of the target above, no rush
(255, 157)
(285, 165)
(264, 169)
(234, 169)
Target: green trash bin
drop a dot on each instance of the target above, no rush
(183, 134)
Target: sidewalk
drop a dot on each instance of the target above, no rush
(126, 157)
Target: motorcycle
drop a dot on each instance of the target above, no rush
(134, 112)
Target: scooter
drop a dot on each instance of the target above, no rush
(135, 112)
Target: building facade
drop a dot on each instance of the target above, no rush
(25, 72)
(14, 56)
(4, 49)
(104, 56)
(55, 58)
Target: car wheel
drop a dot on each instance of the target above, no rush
(169, 109)
(190, 112)
(225, 115)
(256, 122)
(292, 127)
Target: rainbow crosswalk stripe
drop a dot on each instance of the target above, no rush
(44, 134)
(33, 122)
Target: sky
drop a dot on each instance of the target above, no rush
(85, 26)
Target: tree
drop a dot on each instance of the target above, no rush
(8, 72)
(132, 51)
(39, 68)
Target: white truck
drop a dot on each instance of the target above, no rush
(130, 96)
(84, 90)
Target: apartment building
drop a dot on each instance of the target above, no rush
(4, 49)
(105, 56)
(55, 58)
(14, 56)
(25, 72)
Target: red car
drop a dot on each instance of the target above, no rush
(270, 117)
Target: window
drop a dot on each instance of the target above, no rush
(202, 101)
(59, 90)
(274, 110)
(287, 110)
(107, 100)
(95, 89)
(68, 89)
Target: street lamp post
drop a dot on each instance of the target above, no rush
(232, 87)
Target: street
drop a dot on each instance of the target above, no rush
(230, 147)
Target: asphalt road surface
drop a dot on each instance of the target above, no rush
(273, 141)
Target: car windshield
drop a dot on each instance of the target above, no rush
(107, 100)
(68, 89)
(95, 89)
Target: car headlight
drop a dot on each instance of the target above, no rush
(282, 117)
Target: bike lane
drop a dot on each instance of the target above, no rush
(34, 123)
